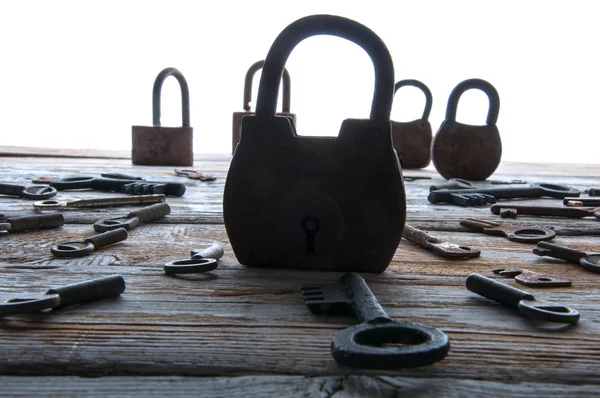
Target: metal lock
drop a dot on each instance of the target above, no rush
(466, 151)
(165, 146)
(321, 203)
(237, 116)
(412, 140)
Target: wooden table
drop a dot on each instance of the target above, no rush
(247, 331)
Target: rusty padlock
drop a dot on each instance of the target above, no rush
(285, 106)
(466, 151)
(164, 146)
(412, 140)
(321, 203)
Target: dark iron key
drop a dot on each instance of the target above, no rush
(520, 300)
(363, 345)
(482, 196)
(589, 261)
(436, 245)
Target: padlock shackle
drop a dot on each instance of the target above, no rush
(287, 86)
(185, 96)
(423, 88)
(314, 25)
(479, 84)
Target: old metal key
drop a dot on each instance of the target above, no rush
(437, 246)
(511, 232)
(201, 261)
(524, 302)
(361, 346)
(99, 202)
(552, 211)
(88, 245)
(30, 192)
(483, 196)
(64, 296)
(134, 218)
(531, 278)
(589, 261)
(453, 183)
(31, 223)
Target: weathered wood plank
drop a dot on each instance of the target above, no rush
(281, 386)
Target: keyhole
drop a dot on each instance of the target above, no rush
(310, 226)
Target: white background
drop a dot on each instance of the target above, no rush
(79, 74)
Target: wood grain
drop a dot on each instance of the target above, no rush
(240, 327)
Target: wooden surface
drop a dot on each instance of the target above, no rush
(247, 331)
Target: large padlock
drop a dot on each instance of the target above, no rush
(165, 146)
(285, 106)
(322, 203)
(412, 140)
(466, 151)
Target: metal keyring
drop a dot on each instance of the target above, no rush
(72, 249)
(190, 266)
(19, 306)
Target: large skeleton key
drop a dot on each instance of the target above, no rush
(362, 346)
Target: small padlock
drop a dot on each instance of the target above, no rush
(165, 146)
(237, 116)
(466, 151)
(412, 140)
(322, 203)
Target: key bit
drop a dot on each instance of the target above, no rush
(523, 301)
(363, 345)
(531, 278)
(437, 246)
(589, 261)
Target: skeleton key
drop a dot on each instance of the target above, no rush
(437, 246)
(481, 196)
(99, 202)
(361, 346)
(520, 300)
(531, 278)
(589, 261)
(30, 192)
(146, 214)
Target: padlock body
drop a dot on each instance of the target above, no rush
(466, 151)
(412, 141)
(321, 203)
(237, 126)
(162, 146)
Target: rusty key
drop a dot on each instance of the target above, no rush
(436, 245)
(510, 210)
(531, 278)
(589, 261)
(364, 345)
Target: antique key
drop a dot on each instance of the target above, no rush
(31, 223)
(285, 106)
(524, 302)
(589, 261)
(361, 346)
(437, 246)
(466, 151)
(146, 214)
(132, 187)
(482, 196)
(553, 211)
(64, 296)
(86, 246)
(30, 192)
(165, 146)
(325, 203)
(98, 202)
(531, 278)
(509, 231)
(412, 140)
(202, 261)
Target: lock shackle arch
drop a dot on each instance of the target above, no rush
(287, 86)
(332, 25)
(421, 86)
(479, 84)
(185, 96)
